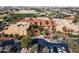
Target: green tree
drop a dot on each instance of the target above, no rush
(11, 35)
(16, 36)
(72, 45)
(24, 41)
(75, 20)
(5, 35)
(1, 22)
(64, 29)
(50, 16)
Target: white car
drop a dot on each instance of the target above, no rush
(63, 50)
(59, 50)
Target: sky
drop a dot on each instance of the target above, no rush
(39, 3)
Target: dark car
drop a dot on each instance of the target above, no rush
(40, 45)
(10, 46)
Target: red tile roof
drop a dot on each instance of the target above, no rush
(38, 22)
(6, 38)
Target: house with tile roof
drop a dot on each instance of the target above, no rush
(38, 21)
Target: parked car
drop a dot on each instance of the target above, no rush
(38, 45)
(10, 46)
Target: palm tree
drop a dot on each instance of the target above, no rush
(24, 41)
(23, 29)
(64, 29)
(18, 27)
(50, 16)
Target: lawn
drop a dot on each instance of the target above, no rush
(24, 15)
(13, 17)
